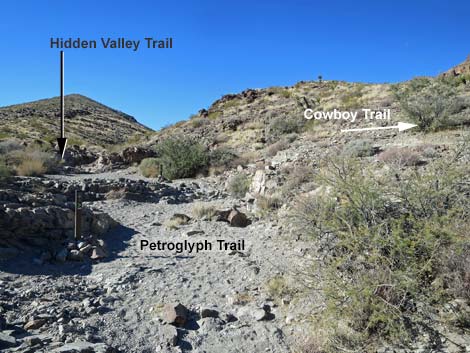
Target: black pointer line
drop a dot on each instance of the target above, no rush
(62, 140)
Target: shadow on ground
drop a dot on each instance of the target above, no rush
(24, 263)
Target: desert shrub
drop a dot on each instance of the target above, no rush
(296, 177)
(246, 158)
(31, 167)
(273, 149)
(213, 115)
(381, 242)
(456, 270)
(283, 126)
(175, 221)
(352, 99)
(32, 161)
(268, 203)
(359, 148)
(221, 157)
(150, 167)
(400, 156)
(181, 157)
(201, 210)
(277, 287)
(198, 122)
(429, 103)
(238, 185)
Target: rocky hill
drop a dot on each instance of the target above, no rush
(462, 69)
(87, 121)
(255, 119)
(248, 228)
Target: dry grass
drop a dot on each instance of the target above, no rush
(273, 149)
(150, 167)
(175, 221)
(401, 157)
(201, 210)
(31, 167)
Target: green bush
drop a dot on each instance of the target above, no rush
(430, 103)
(150, 167)
(283, 126)
(181, 157)
(238, 185)
(383, 240)
(221, 157)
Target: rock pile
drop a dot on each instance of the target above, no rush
(30, 324)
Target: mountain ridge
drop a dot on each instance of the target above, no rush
(87, 121)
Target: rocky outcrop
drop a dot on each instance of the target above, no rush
(461, 69)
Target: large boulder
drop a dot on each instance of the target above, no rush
(132, 155)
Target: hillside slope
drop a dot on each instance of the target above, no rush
(87, 121)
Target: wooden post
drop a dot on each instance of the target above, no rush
(161, 170)
(78, 215)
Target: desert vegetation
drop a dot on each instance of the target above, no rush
(393, 247)
(26, 160)
(433, 104)
(181, 157)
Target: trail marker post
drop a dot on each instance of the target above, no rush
(78, 215)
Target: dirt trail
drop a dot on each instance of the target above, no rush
(135, 284)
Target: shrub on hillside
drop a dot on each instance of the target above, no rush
(430, 103)
(150, 167)
(276, 147)
(221, 157)
(382, 241)
(400, 156)
(283, 126)
(238, 185)
(359, 148)
(181, 157)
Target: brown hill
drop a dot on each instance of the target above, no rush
(87, 121)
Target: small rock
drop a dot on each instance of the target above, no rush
(75, 255)
(209, 312)
(169, 335)
(229, 317)
(175, 313)
(259, 314)
(192, 232)
(33, 341)
(180, 216)
(34, 324)
(98, 253)
(210, 324)
(237, 219)
(86, 249)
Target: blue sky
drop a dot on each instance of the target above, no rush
(221, 47)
